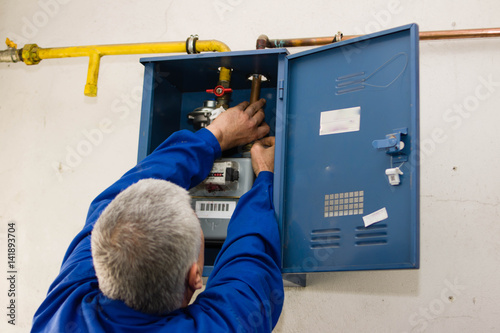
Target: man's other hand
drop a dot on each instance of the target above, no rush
(263, 155)
(240, 125)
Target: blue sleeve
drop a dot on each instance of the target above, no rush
(246, 281)
(185, 159)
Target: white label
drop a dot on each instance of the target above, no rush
(215, 209)
(340, 121)
(375, 217)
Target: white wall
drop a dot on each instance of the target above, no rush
(44, 115)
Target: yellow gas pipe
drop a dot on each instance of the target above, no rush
(31, 54)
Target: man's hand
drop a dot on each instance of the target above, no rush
(263, 155)
(240, 125)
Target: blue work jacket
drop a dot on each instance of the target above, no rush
(244, 292)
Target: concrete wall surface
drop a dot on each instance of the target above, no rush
(56, 154)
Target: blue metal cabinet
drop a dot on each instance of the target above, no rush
(175, 85)
(345, 117)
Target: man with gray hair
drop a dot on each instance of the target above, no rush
(139, 258)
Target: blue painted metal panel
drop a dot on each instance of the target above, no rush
(339, 99)
(146, 118)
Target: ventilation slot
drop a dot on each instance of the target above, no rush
(372, 227)
(324, 231)
(324, 246)
(325, 238)
(372, 235)
(374, 242)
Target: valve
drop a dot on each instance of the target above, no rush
(10, 44)
(219, 91)
(201, 116)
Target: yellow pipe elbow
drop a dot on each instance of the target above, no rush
(92, 75)
(217, 46)
(211, 45)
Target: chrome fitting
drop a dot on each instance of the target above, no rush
(338, 37)
(9, 55)
(191, 44)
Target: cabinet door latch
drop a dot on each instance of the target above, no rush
(393, 144)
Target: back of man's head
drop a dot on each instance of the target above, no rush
(143, 245)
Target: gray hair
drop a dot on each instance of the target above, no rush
(143, 245)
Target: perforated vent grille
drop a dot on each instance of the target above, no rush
(344, 204)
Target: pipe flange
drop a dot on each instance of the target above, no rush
(191, 44)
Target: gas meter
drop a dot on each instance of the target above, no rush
(215, 199)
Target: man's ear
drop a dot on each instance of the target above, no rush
(195, 280)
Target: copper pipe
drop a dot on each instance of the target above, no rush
(255, 91)
(424, 35)
(262, 42)
(254, 97)
(456, 34)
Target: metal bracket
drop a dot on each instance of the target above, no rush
(281, 89)
(294, 279)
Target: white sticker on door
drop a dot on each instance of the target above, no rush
(375, 217)
(340, 121)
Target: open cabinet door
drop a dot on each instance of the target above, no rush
(349, 130)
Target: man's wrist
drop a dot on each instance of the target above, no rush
(211, 140)
(218, 135)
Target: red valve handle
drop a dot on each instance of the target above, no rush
(219, 91)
